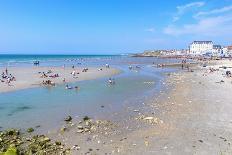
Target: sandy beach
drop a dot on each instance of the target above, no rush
(29, 77)
(196, 116)
(193, 118)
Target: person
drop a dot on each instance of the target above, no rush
(68, 87)
(110, 81)
(107, 66)
(6, 71)
(73, 73)
(8, 81)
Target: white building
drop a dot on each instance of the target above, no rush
(217, 51)
(229, 51)
(200, 47)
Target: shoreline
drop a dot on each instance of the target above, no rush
(187, 119)
(30, 77)
(193, 116)
(196, 116)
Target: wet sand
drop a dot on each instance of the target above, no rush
(29, 77)
(193, 118)
(196, 114)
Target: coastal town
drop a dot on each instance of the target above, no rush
(195, 49)
(116, 77)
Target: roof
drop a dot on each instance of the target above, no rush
(217, 46)
(202, 42)
(229, 47)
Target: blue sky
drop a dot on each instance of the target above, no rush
(111, 26)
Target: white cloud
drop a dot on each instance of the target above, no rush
(215, 11)
(183, 8)
(211, 26)
(150, 30)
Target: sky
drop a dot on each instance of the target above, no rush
(110, 26)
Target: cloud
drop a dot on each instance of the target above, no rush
(210, 26)
(184, 8)
(215, 11)
(150, 30)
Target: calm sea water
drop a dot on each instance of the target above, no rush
(48, 106)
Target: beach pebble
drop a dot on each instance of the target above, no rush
(148, 118)
(80, 131)
(80, 127)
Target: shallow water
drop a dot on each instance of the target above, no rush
(47, 107)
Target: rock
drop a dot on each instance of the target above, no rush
(148, 118)
(12, 132)
(200, 141)
(86, 118)
(46, 139)
(63, 129)
(29, 130)
(58, 143)
(11, 151)
(37, 126)
(80, 131)
(80, 127)
(68, 119)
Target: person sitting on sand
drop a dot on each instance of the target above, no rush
(43, 75)
(8, 81)
(3, 75)
(85, 70)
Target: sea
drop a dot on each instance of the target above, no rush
(47, 107)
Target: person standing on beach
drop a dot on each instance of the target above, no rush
(6, 71)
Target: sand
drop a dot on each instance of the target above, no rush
(194, 116)
(29, 77)
(196, 119)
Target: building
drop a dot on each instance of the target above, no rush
(217, 51)
(200, 47)
(229, 51)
